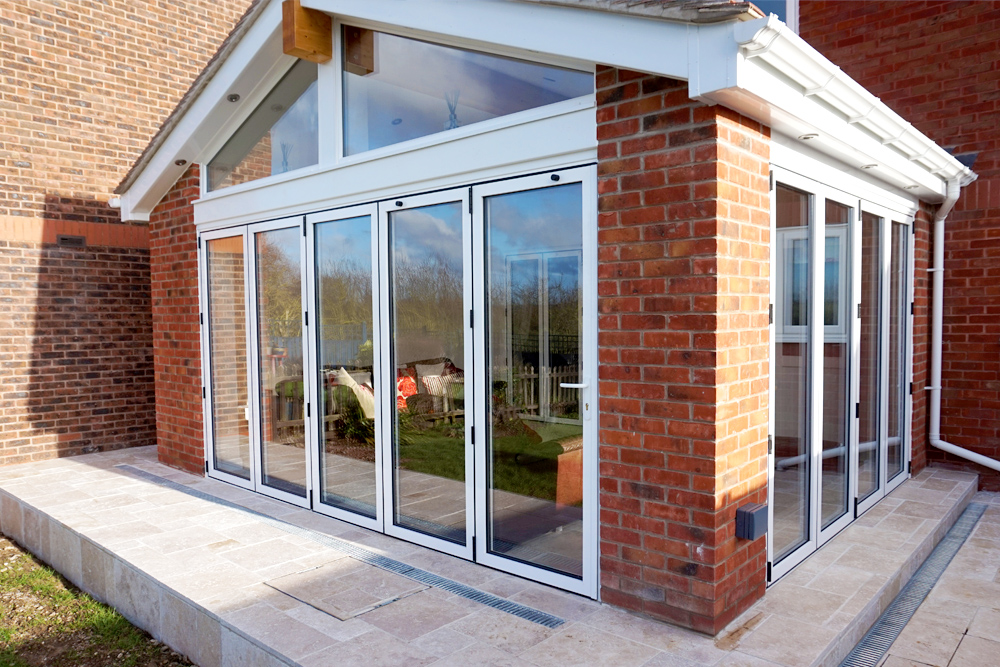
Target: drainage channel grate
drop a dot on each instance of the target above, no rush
(876, 642)
(364, 555)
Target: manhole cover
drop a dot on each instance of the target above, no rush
(346, 588)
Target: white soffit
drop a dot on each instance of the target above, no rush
(788, 85)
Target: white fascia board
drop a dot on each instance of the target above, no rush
(252, 60)
(783, 82)
(629, 42)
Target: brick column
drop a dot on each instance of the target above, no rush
(683, 275)
(176, 344)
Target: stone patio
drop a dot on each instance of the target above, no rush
(204, 577)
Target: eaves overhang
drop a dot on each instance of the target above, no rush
(759, 68)
(777, 78)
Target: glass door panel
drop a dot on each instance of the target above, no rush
(347, 379)
(869, 394)
(427, 320)
(227, 343)
(534, 462)
(280, 359)
(898, 318)
(835, 480)
(791, 487)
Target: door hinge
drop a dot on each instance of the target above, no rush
(913, 386)
(470, 200)
(856, 501)
(308, 410)
(912, 305)
(206, 467)
(472, 434)
(199, 248)
(201, 319)
(857, 410)
(769, 570)
(307, 317)
(303, 226)
(310, 497)
(203, 394)
(473, 546)
(770, 313)
(770, 443)
(859, 311)
(472, 319)
(770, 184)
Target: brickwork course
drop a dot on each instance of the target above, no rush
(84, 85)
(935, 63)
(683, 280)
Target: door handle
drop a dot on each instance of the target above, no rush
(570, 385)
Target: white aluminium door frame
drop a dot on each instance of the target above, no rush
(378, 370)
(388, 393)
(587, 177)
(253, 358)
(204, 304)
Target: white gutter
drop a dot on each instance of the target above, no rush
(937, 333)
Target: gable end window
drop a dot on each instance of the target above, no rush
(397, 89)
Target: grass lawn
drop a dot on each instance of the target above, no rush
(524, 463)
(45, 620)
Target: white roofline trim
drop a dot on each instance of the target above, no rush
(759, 68)
(787, 84)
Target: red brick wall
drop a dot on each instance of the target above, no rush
(683, 342)
(173, 256)
(935, 64)
(74, 341)
(84, 87)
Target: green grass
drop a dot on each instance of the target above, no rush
(42, 614)
(524, 463)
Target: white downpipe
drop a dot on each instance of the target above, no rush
(937, 334)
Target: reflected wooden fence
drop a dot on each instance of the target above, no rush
(539, 392)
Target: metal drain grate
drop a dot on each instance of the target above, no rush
(876, 642)
(364, 555)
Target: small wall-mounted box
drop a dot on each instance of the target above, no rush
(751, 521)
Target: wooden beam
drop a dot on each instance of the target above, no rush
(306, 33)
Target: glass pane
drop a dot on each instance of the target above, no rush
(279, 333)
(871, 289)
(282, 133)
(428, 351)
(898, 310)
(397, 88)
(227, 337)
(346, 351)
(836, 360)
(535, 459)
(791, 440)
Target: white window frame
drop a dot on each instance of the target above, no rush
(331, 119)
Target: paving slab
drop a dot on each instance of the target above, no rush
(958, 624)
(225, 586)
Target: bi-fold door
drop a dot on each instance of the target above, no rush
(840, 362)
(423, 366)
(256, 388)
